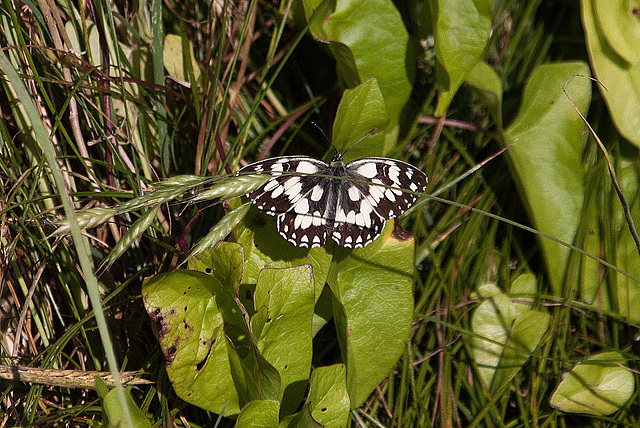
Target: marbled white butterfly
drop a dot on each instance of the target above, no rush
(312, 199)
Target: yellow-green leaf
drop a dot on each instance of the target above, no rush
(597, 386)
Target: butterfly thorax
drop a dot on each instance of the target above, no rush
(337, 161)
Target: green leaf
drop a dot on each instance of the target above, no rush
(523, 286)
(265, 248)
(368, 39)
(361, 110)
(190, 309)
(490, 324)
(328, 396)
(254, 377)
(485, 79)
(224, 262)
(114, 413)
(586, 271)
(461, 33)
(626, 252)
(259, 414)
(373, 308)
(285, 337)
(598, 386)
(613, 53)
(180, 62)
(526, 332)
(91, 39)
(101, 387)
(302, 419)
(505, 334)
(196, 354)
(619, 26)
(547, 137)
(486, 290)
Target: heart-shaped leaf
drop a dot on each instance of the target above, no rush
(547, 136)
(597, 386)
(461, 33)
(373, 308)
(259, 413)
(285, 336)
(608, 45)
(368, 40)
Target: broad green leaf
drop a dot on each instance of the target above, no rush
(223, 262)
(490, 324)
(523, 286)
(597, 386)
(140, 21)
(368, 39)
(589, 238)
(328, 402)
(361, 110)
(547, 137)
(192, 338)
(180, 62)
(505, 333)
(285, 339)
(373, 308)
(484, 78)
(253, 376)
(302, 419)
(265, 248)
(323, 310)
(619, 26)
(328, 396)
(628, 290)
(259, 414)
(101, 387)
(461, 33)
(526, 332)
(608, 47)
(114, 413)
(486, 290)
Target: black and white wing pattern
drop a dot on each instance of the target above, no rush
(350, 203)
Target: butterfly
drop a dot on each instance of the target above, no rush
(312, 199)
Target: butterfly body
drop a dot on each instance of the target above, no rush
(349, 203)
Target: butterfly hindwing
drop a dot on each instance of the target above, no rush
(356, 222)
(302, 230)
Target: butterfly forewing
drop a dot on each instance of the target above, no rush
(290, 180)
(294, 196)
(351, 203)
(394, 187)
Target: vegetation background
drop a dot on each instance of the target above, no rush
(104, 99)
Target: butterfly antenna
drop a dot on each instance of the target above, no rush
(361, 138)
(325, 136)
